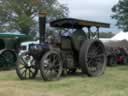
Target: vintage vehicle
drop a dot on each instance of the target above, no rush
(24, 46)
(9, 43)
(76, 50)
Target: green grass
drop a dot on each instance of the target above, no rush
(113, 83)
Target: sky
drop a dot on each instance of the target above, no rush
(94, 10)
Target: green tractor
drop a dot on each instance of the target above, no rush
(76, 49)
(9, 47)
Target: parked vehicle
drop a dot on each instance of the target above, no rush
(79, 50)
(9, 48)
(24, 46)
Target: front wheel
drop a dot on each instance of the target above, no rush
(51, 66)
(26, 67)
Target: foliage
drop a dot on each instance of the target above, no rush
(21, 15)
(120, 13)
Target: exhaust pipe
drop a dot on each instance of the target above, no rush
(42, 27)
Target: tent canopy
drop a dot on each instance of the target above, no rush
(120, 36)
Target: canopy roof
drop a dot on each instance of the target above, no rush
(11, 35)
(8, 35)
(76, 23)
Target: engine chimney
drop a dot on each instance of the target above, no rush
(42, 26)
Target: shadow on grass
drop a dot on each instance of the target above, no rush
(76, 75)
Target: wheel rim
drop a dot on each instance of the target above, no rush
(51, 66)
(27, 71)
(95, 58)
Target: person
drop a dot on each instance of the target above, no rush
(67, 33)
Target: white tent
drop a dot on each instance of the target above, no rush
(105, 39)
(120, 36)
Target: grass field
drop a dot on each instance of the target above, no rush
(113, 83)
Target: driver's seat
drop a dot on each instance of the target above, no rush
(78, 38)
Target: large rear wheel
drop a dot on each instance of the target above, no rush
(51, 66)
(93, 57)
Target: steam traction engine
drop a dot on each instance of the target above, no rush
(77, 50)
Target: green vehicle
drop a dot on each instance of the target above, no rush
(77, 49)
(9, 47)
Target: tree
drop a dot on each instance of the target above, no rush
(20, 15)
(120, 13)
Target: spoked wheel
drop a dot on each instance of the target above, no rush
(51, 66)
(26, 67)
(93, 58)
(10, 57)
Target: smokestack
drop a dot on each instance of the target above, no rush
(42, 26)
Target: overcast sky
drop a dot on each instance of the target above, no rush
(96, 10)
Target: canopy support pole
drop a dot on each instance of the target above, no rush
(98, 34)
(89, 32)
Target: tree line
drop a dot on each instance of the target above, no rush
(21, 15)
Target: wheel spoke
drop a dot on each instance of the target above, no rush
(23, 73)
(97, 49)
(20, 62)
(90, 62)
(26, 73)
(95, 55)
(30, 73)
(90, 56)
(54, 61)
(22, 68)
(25, 63)
(100, 55)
